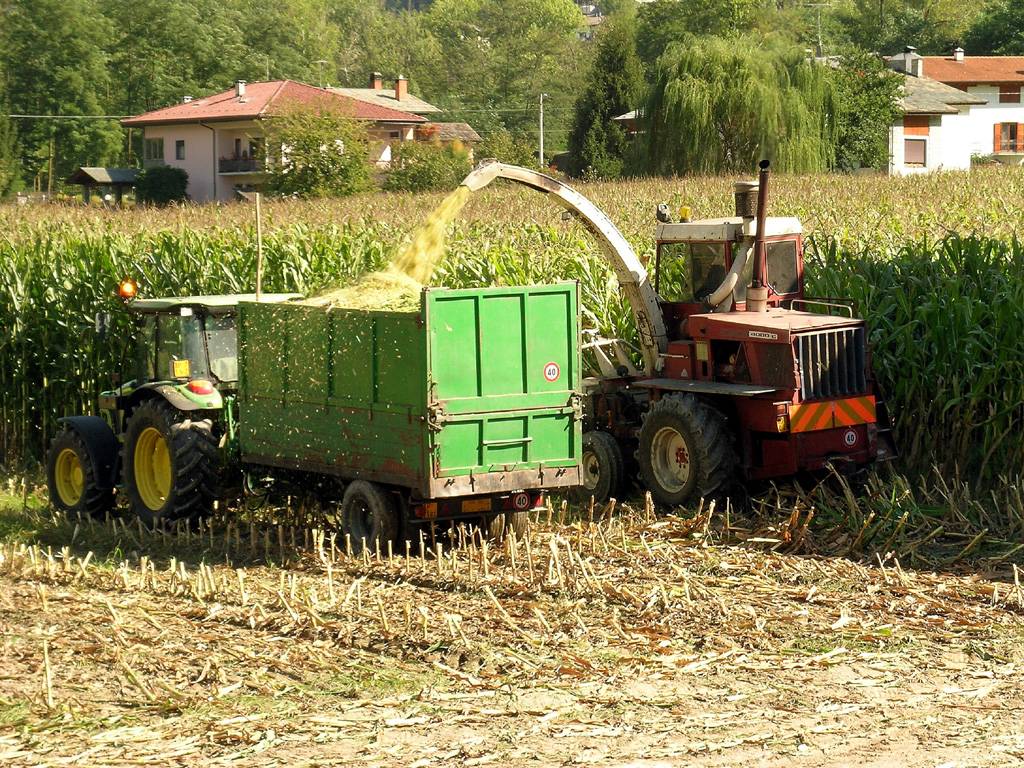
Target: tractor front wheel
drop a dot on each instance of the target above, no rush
(171, 464)
(73, 478)
(686, 451)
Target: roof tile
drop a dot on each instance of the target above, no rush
(262, 99)
(975, 69)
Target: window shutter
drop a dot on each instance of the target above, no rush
(1020, 137)
(997, 137)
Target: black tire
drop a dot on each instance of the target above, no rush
(517, 523)
(368, 513)
(602, 468)
(686, 451)
(195, 463)
(494, 527)
(96, 497)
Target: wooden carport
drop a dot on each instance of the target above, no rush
(117, 179)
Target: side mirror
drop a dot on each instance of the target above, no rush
(102, 324)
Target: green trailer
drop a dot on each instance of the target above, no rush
(468, 407)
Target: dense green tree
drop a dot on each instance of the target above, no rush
(162, 51)
(54, 66)
(161, 185)
(418, 166)
(316, 152)
(10, 176)
(597, 144)
(866, 107)
(886, 26)
(998, 30)
(722, 104)
(508, 147)
(505, 53)
(664, 22)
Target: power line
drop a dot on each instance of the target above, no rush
(70, 117)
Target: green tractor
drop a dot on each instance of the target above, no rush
(161, 436)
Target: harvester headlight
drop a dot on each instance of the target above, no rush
(128, 289)
(782, 422)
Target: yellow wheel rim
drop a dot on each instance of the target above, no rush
(152, 462)
(70, 479)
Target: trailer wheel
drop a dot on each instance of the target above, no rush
(602, 470)
(517, 523)
(514, 522)
(368, 513)
(73, 478)
(171, 464)
(685, 451)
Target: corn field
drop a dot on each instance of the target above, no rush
(933, 261)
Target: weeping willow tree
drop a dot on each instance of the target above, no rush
(723, 104)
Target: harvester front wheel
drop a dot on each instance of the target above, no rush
(686, 451)
(171, 464)
(369, 516)
(602, 468)
(73, 478)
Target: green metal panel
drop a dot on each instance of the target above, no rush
(500, 348)
(480, 383)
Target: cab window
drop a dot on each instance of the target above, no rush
(179, 337)
(689, 272)
(222, 344)
(782, 266)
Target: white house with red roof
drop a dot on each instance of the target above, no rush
(956, 107)
(218, 139)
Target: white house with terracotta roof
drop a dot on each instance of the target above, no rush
(218, 139)
(956, 107)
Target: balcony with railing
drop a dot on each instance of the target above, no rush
(241, 164)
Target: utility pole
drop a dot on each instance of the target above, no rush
(540, 155)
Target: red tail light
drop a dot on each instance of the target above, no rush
(200, 387)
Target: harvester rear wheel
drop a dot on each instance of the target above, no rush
(73, 478)
(686, 451)
(171, 464)
(602, 468)
(369, 516)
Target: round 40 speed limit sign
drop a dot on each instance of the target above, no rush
(552, 371)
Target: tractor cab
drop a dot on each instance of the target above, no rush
(694, 258)
(185, 350)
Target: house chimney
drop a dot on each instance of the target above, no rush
(376, 81)
(401, 88)
(958, 55)
(912, 63)
(186, 99)
(240, 88)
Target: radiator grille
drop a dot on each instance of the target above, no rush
(832, 363)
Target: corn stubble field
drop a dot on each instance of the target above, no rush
(811, 627)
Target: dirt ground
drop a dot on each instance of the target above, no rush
(631, 642)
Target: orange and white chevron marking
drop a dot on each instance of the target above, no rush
(811, 417)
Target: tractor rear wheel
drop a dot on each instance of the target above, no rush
(686, 451)
(602, 468)
(171, 464)
(73, 478)
(369, 516)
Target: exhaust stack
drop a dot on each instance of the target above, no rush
(757, 292)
